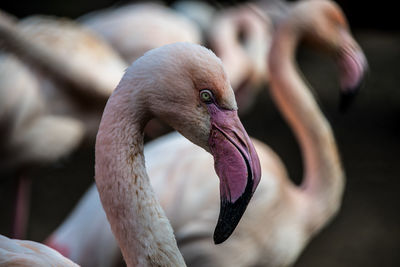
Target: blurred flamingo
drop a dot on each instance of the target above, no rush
(31, 137)
(282, 217)
(76, 70)
(201, 13)
(241, 37)
(134, 29)
(20, 253)
(51, 95)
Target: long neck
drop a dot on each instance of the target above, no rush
(323, 179)
(138, 222)
(43, 59)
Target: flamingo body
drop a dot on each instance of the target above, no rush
(134, 29)
(24, 253)
(24, 119)
(75, 70)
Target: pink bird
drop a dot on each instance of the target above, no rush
(24, 253)
(201, 105)
(282, 218)
(31, 137)
(54, 86)
(241, 37)
(134, 29)
(76, 71)
(197, 100)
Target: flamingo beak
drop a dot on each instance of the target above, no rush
(237, 166)
(352, 66)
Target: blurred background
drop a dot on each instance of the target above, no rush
(366, 231)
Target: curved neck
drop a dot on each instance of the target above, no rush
(323, 175)
(224, 40)
(138, 222)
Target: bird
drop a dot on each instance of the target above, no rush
(31, 137)
(237, 35)
(18, 253)
(241, 37)
(75, 69)
(64, 84)
(282, 217)
(201, 105)
(133, 29)
(185, 85)
(50, 86)
(200, 12)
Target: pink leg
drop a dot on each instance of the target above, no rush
(21, 207)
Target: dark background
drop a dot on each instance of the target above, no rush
(381, 15)
(366, 232)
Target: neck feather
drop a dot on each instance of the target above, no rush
(137, 220)
(323, 175)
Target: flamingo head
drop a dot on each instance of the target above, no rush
(330, 31)
(197, 100)
(241, 37)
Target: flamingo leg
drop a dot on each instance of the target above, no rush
(21, 206)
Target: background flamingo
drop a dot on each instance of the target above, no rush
(31, 137)
(242, 38)
(76, 70)
(136, 28)
(238, 36)
(52, 97)
(289, 215)
(20, 253)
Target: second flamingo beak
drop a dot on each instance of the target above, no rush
(237, 166)
(352, 66)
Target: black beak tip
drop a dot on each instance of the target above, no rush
(347, 98)
(227, 222)
(230, 215)
(220, 237)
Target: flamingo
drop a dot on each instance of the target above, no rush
(186, 86)
(282, 218)
(200, 12)
(58, 94)
(134, 29)
(31, 137)
(18, 253)
(241, 37)
(201, 105)
(75, 70)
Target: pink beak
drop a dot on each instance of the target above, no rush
(237, 166)
(352, 66)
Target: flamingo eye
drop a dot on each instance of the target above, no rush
(206, 96)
